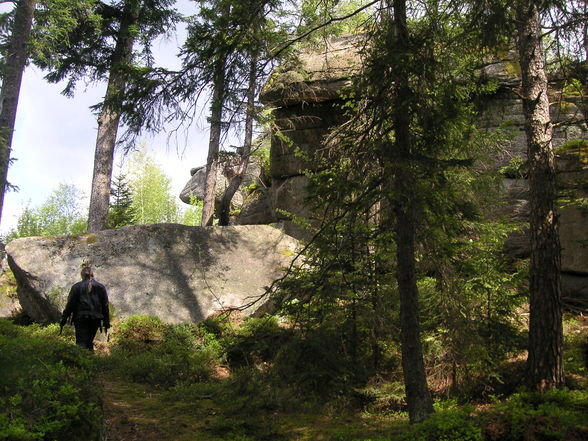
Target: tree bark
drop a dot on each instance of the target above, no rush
(212, 160)
(415, 379)
(545, 359)
(12, 79)
(247, 142)
(108, 121)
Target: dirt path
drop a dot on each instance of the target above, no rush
(130, 412)
(139, 412)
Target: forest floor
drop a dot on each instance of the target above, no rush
(135, 411)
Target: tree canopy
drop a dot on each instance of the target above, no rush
(403, 268)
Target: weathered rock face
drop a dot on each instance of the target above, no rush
(306, 99)
(175, 272)
(227, 171)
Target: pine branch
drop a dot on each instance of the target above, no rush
(322, 25)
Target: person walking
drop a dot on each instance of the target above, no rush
(88, 305)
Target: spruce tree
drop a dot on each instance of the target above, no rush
(12, 71)
(35, 27)
(519, 25)
(395, 185)
(111, 52)
(545, 359)
(121, 211)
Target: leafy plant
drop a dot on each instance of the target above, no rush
(147, 350)
(452, 425)
(152, 200)
(557, 415)
(48, 388)
(60, 214)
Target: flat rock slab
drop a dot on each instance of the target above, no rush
(175, 272)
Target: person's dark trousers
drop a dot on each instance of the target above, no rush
(86, 329)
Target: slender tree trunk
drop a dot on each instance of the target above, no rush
(545, 361)
(585, 37)
(415, 379)
(247, 142)
(12, 78)
(108, 121)
(212, 161)
(418, 397)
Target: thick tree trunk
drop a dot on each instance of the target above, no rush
(247, 142)
(212, 160)
(415, 379)
(418, 397)
(545, 361)
(16, 59)
(108, 121)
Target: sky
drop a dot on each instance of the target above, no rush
(54, 138)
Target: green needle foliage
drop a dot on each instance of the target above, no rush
(121, 211)
(347, 282)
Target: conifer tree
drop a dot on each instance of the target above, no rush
(545, 359)
(390, 184)
(121, 211)
(402, 177)
(222, 42)
(13, 68)
(235, 183)
(108, 119)
(521, 23)
(34, 28)
(109, 53)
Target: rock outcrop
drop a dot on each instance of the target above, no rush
(306, 101)
(194, 188)
(175, 272)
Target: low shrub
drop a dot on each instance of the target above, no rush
(446, 425)
(556, 415)
(317, 365)
(148, 351)
(48, 388)
(139, 332)
(257, 341)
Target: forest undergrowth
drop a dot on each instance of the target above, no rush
(259, 379)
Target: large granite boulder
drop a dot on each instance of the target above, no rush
(9, 305)
(175, 272)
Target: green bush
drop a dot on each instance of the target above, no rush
(139, 332)
(317, 364)
(148, 351)
(448, 425)
(556, 415)
(48, 389)
(257, 341)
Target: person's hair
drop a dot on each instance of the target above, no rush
(88, 274)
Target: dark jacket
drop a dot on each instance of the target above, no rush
(84, 304)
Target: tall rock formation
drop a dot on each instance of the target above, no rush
(306, 99)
